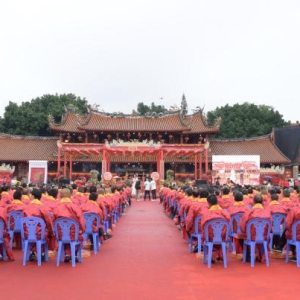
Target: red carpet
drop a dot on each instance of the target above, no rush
(147, 259)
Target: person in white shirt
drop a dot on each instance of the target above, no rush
(153, 189)
(147, 187)
(133, 190)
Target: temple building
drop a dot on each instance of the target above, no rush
(128, 144)
(135, 144)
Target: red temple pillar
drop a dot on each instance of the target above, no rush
(206, 161)
(108, 166)
(71, 166)
(65, 165)
(58, 160)
(200, 165)
(158, 163)
(104, 162)
(161, 165)
(195, 171)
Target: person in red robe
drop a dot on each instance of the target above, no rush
(26, 196)
(6, 237)
(185, 205)
(198, 208)
(79, 197)
(67, 209)
(50, 200)
(91, 206)
(226, 200)
(15, 205)
(293, 215)
(248, 196)
(274, 208)
(258, 211)
(6, 197)
(286, 201)
(215, 211)
(238, 207)
(294, 195)
(36, 209)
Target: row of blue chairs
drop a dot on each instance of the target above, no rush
(64, 223)
(274, 227)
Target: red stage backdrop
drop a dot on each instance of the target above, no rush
(37, 175)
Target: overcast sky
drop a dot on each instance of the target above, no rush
(119, 53)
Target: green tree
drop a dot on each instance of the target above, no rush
(144, 109)
(246, 120)
(31, 118)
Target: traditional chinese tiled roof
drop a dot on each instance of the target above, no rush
(21, 148)
(262, 146)
(198, 124)
(110, 123)
(69, 123)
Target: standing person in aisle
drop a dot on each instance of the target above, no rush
(153, 188)
(147, 186)
(134, 180)
(137, 189)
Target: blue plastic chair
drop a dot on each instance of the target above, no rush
(196, 234)
(260, 225)
(16, 218)
(2, 239)
(235, 219)
(278, 226)
(294, 242)
(106, 221)
(89, 221)
(62, 230)
(116, 213)
(217, 225)
(31, 224)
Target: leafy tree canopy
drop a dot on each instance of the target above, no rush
(143, 108)
(246, 120)
(31, 118)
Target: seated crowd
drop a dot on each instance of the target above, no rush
(51, 202)
(208, 202)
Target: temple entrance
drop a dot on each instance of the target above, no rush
(123, 159)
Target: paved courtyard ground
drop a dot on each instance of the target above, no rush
(147, 259)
